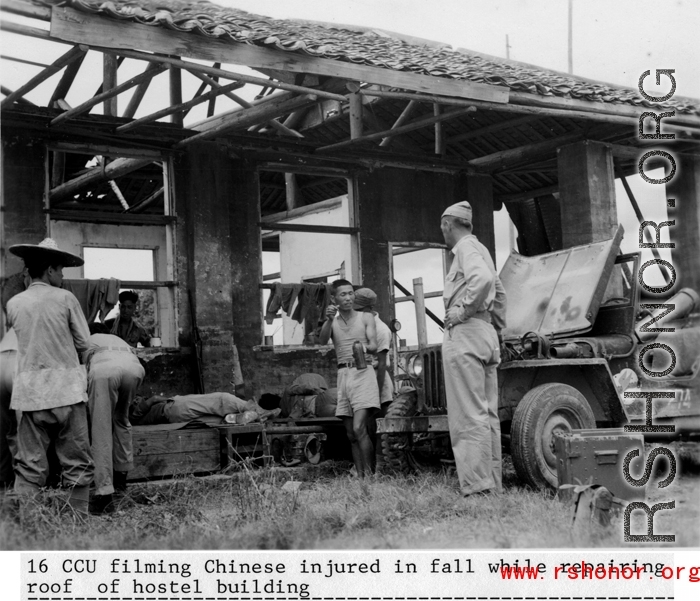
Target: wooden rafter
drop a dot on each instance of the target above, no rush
(140, 92)
(146, 202)
(23, 61)
(66, 80)
(494, 127)
(402, 118)
(86, 106)
(223, 73)
(72, 55)
(211, 109)
(244, 118)
(413, 125)
(5, 90)
(97, 175)
(245, 104)
(178, 108)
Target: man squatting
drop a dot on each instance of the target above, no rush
(475, 311)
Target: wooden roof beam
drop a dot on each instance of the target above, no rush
(244, 103)
(24, 9)
(140, 92)
(110, 64)
(178, 108)
(610, 113)
(66, 80)
(72, 25)
(246, 117)
(223, 73)
(86, 106)
(402, 118)
(23, 61)
(413, 125)
(72, 55)
(23, 101)
(117, 168)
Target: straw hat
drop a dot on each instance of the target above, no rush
(46, 250)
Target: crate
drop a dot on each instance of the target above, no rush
(596, 457)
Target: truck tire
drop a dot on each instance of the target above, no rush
(543, 411)
(393, 450)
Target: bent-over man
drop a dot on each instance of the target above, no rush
(475, 306)
(114, 375)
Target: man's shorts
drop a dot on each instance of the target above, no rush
(357, 389)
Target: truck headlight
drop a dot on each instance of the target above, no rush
(415, 366)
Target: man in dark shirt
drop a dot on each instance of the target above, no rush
(125, 326)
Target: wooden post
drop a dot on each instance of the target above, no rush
(110, 65)
(587, 193)
(439, 137)
(419, 303)
(684, 189)
(176, 93)
(355, 115)
(292, 191)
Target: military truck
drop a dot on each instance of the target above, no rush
(572, 327)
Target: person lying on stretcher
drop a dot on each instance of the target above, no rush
(211, 408)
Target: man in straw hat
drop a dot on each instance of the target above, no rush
(475, 306)
(49, 388)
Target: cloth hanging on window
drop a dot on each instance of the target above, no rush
(95, 295)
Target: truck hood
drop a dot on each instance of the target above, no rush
(557, 294)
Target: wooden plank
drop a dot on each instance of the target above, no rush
(107, 150)
(150, 441)
(527, 194)
(28, 31)
(174, 464)
(86, 106)
(488, 129)
(413, 125)
(317, 207)
(72, 55)
(317, 229)
(112, 218)
(110, 65)
(69, 24)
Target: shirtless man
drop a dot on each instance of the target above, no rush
(358, 393)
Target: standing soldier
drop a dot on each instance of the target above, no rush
(49, 387)
(475, 308)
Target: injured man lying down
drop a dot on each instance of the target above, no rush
(212, 408)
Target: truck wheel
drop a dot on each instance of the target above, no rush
(542, 412)
(393, 450)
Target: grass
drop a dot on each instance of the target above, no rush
(324, 508)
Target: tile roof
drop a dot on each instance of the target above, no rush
(361, 45)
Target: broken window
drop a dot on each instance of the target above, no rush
(308, 240)
(116, 212)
